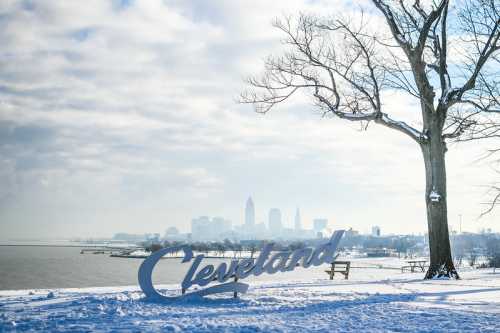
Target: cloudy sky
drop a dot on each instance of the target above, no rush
(120, 116)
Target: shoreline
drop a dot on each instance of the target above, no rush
(49, 245)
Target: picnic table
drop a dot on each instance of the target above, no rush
(415, 265)
(341, 267)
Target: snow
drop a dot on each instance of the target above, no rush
(401, 124)
(374, 300)
(434, 196)
(449, 92)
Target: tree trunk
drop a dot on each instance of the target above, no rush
(441, 263)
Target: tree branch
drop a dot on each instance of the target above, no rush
(490, 47)
(402, 127)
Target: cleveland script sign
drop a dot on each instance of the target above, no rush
(267, 262)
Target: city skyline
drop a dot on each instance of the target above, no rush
(210, 228)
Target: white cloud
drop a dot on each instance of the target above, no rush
(123, 119)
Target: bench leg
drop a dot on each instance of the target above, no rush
(235, 294)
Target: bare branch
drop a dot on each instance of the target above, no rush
(345, 67)
(429, 21)
(395, 29)
(486, 50)
(345, 82)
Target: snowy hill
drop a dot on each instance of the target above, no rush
(396, 303)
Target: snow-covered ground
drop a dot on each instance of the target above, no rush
(373, 300)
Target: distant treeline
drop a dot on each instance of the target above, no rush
(466, 247)
(221, 248)
(471, 248)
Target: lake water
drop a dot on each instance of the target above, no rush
(40, 267)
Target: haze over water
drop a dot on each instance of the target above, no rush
(40, 267)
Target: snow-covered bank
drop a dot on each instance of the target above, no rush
(399, 302)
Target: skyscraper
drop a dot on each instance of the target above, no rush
(319, 224)
(275, 220)
(298, 225)
(250, 213)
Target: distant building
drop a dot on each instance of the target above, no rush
(260, 231)
(250, 213)
(172, 231)
(275, 221)
(351, 233)
(221, 225)
(298, 224)
(121, 236)
(205, 228)
(376, 231)
(153, 238)
(200, 227)
(173, 234)
(319, 224)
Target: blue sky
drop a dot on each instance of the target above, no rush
(120, 116)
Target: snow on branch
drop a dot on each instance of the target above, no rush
(338, 63)
(402, 127)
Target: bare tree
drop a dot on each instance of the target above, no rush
(445, 57)
(252, 248)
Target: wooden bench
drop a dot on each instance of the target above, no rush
(344, 268)
(415, 265)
